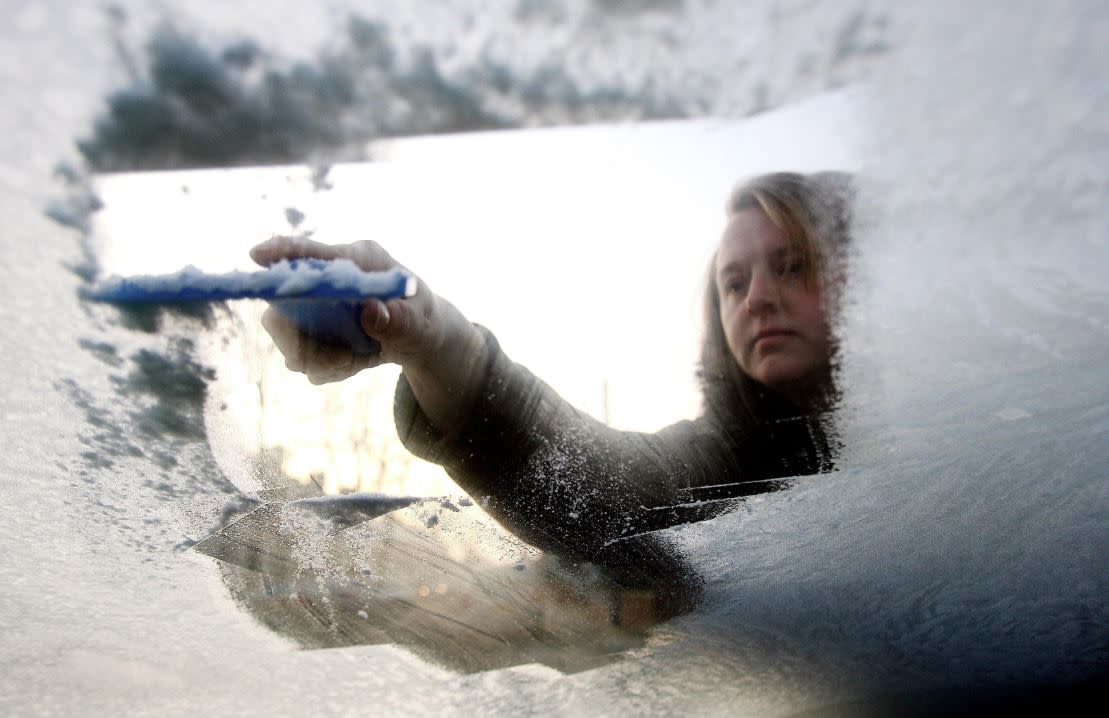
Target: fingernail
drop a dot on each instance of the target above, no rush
(382, 319)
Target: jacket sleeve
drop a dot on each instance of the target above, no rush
(563, 480)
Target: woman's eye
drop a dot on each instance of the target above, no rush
(736, 286)
(786, 267)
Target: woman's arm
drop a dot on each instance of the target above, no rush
(551, 473)
(562, 480)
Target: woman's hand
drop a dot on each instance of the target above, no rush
(409, 330)
(441, 352)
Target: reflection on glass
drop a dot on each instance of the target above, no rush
(371, 566)
(434, 577)
(637, 216)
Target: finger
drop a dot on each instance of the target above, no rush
(327, 357)
(319, 376)
(277, 248)
(397, 321)
(370, 256)
(286, 337)
(408, 319)
(404, 327)
(303, 353)
(375, 318)
(312, 357)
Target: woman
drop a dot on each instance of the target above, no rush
(563, 480)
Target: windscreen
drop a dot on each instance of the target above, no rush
(194, 525)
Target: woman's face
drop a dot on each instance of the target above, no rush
(774, 321)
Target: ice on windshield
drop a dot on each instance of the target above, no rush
(185, 515)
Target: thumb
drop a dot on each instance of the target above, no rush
(403, 326)
(375, 318)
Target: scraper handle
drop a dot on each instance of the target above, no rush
(335, 322)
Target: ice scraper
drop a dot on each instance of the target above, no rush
(321, 297)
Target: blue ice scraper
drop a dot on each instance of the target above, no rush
(323, 298)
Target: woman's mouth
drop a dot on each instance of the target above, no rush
(770, 337)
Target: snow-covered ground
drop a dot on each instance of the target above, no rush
(960, 548)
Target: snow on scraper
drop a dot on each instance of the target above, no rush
(322, 298)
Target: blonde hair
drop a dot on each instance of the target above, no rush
(811, 209)
(814, 212)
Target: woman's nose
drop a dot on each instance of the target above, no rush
(762, 293)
